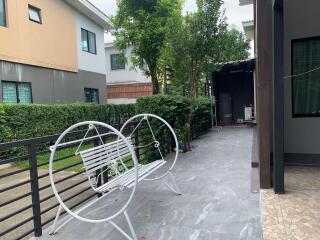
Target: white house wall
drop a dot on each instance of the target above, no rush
(127, 75)
(301, 20)
(88, 61)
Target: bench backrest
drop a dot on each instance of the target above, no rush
(101, 156)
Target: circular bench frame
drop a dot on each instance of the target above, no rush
(75, 214)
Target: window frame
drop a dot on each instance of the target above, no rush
(90, 88)
(116, 54)
(36, 9)
(95, 41)
(17, 90)
(299, 115)
(5, 14)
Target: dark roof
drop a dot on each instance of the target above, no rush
(244, 65)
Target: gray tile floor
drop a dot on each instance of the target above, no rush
(216, 202)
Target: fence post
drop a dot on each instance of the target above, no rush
(136, 143)
(98, 171)
(172, 142)
(35, 190)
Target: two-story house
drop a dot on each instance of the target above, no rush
(52, 51)
(125, 83)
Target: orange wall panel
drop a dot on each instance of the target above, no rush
(52, 44)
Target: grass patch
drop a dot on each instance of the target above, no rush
(67, 153)
(69, 159)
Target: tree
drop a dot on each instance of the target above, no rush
(143, 24)
(196, 48)
(235, 46)
(200, 44)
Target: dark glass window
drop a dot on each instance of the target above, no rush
(117, 61)
(3, 13)
(91, 95)
(34, 14)
(84, 40)
(16, 92)
(305, 81)
(88, 40)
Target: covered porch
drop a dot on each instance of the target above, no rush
(288, 125)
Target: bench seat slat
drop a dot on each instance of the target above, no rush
(103, 155)
(105, 160)
(103, 148)
(104, 145)
(106, 153)
(127, 179)
(110, 153)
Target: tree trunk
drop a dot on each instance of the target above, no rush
(165, 83)
(192, 95)
(207, 87)
(154, 79)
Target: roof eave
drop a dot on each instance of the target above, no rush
(248, 27)
(245, 2)
(92, 12)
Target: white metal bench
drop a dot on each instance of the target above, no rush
(111, 156)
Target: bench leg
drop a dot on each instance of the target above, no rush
(130, 226)
(53, 228)
(134, 237)
(175, 187)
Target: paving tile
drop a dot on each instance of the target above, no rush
(296, 214)
(216, 203)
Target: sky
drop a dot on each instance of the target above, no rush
(235, 14)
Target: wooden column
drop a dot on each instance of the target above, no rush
(278, 97)
(264, 85)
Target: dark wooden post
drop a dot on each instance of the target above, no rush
(264, 86)
(278, 97)
(35, 190)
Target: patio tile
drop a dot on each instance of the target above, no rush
(296, 214)
(216, 202)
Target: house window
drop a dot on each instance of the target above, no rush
(117, 61)
(16, 92)
(306, 83)
(3, 13)
(88, 40)
(35, 14)
(91, 95)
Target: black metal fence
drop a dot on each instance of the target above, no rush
(27, 204)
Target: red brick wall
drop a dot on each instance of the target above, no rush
(129, 90)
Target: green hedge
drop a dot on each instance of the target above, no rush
(20, 121)
(33, 120)
(175, 110)
(202, 116)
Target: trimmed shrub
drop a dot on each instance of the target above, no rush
(25, 121)
(202, 116)
(175, 110)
